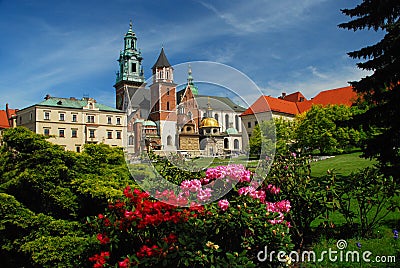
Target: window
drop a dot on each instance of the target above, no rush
(118, 121)
(78, 149)
(167, 105)
(133, 67)
(74, 118)
(61, 133)
(167, 72)
(256, 123)
(167, 91)
(190, 115)
(62, 117)
(226, 121)
(118, 134)
(20, 120)
(237, 122)
(91, 133)
(130, 142)
(46, 131)
(74, 133)
(169, 140)
(236, 144)
(46, 116)
(90, 119)
(109, 120)
(216, 116)
(30, 116)
(226, 143)
(109, 134)
(249, 124)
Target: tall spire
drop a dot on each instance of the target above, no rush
(190, 77)
(190, 83)
(162, 60)
(130, 59)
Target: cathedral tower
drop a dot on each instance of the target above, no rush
(163, 101)
(130, 74)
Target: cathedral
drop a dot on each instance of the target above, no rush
(166, 120)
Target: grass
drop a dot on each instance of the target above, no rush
(381, 243)
(343, 165)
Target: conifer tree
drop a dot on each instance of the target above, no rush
(381, 89)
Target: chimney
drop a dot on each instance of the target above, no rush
(47, 97)
(283, 95)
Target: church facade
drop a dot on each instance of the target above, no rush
(166, 120)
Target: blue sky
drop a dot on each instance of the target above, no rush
(69, 48)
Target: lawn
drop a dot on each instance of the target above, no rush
(343, 165)
(382, 244)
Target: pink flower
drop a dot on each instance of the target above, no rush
(223, 204)
(204, 195)
(191, 186)
(273, 189)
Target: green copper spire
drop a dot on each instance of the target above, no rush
(130, 59)
(194, 89)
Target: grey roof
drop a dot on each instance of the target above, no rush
(162, 61)
(140, 98)
(218, 103)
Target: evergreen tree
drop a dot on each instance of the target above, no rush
(381, 90)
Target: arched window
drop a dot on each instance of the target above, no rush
(167, 105)
(226, 121)
(226, 143)
(190, 115)
(169, 140)
(237, 122)
(130, 142)
(236, 144)
(216, 116)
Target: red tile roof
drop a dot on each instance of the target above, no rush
(267, 103)
(5, 116)
(4, 120)
(295, 97)
(292, 104)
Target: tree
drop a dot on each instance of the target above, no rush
(46, 193)
(381, 89)
(317, 129)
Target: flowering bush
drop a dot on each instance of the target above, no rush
(309, 197)
(180, 230)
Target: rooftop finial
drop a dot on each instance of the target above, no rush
(190, 78)
(130, 24)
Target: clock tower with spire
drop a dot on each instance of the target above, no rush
(130, 75)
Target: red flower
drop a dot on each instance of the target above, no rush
(100, 260)
(125, 263)
(103, 239)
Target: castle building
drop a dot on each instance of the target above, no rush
(164, 119)
(71, 122)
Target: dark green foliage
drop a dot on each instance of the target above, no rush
(373, 196)
(381, 89)
(46, 194)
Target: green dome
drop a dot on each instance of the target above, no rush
(149, 123)
(231, 131)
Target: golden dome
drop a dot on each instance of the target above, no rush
(209, 122)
